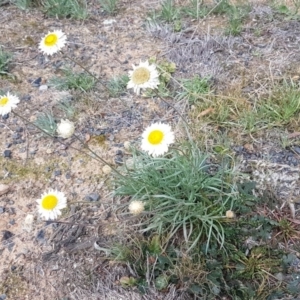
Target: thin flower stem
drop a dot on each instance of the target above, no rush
(95, 155)
(187, 126)
(98, 157)
(171, 105)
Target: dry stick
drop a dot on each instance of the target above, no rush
(97, 157)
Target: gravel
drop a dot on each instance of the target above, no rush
(93, 197)
(7, 153)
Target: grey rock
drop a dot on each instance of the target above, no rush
(26, 98)
(43, 87)
(7, 153)
(6, 234)
(2, 209)
(2, 297)
(36, 82)
(5, 117)
(119, 159)
(93, 197)
(57, 173)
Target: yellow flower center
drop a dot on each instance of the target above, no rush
(155, 137)
(3, 101)
(49, 202)
(51, 39)
(140, 75)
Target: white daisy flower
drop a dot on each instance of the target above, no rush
(136, 207)
(52, 42)
(65, 129)
(51, 203)
(7, 103)
(157, 138)
(143, 76)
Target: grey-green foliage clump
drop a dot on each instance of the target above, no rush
(193, 89)
(117, 85)
(182, 194)
(109, 6)
(46, 122)
(73, 80)
(76, 9)
(5, 59)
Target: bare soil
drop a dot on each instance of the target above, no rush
(45, 260)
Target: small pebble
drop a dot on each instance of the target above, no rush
(2, 297)
(93, 197)
(57, 173)
(12, 222)
(130, 163)
(11, 210)
(10, 246)
(6, 235)
(118, 159)
(5, 117)
(40, 236)
(68, 175)
(106, 169)
(43, 87)
(19, 129)
(2, 209)
(36, 82)
(119, 152)
(16, 135)
(7, 153)
(4, 188)
(127, 145)
(26, 98)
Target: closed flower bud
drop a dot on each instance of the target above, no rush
(136, 207)
(65, 129)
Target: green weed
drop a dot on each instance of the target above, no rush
(71, 80)
(66, 106)
(109, 6)
(181, 195)
(5, 59)
(46, 122)
(76, 9)
(195, 9)
(117, 85)
(193, 89)
(169, 12)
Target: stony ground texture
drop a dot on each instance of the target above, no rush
(58, 261)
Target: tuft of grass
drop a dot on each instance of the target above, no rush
(193, 89)
(66, 106)
(5, 59)
(117, 85)
(196, 9)
(46, 122)
(76, 9)
(169, 12)
(23, 4)
(182, 193)
(72, 80)
(109, 6)
(236, 15)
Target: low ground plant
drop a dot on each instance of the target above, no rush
(72, 80)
